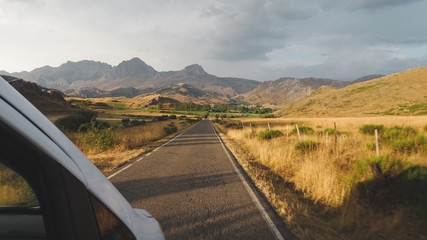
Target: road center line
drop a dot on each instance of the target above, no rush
(267, 218)
(121, 170)
(148, 154)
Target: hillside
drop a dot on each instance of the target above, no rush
(132, 73)
(397, 94)
(47, 101)
(288, 90)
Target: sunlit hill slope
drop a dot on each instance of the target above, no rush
(402, 93)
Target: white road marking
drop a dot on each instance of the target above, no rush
(267, 218)
(139, 159)
(121, 170)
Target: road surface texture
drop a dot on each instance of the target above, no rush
(192, 188)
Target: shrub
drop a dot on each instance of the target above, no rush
(73, 121)
(191, 121)
(269, 134)
(385, 166)
(330, 131)
(370, 128)
(410, 144)
(172, 117)
(268, 116)
(170, 128)
(232, 124)
(387, 181)
(303, 130)
(100, 138)
(396, 133)
(93, 124)
(307, 145)
(136, 122)
(126, 122)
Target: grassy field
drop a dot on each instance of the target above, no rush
(345, 191)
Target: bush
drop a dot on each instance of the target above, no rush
(73, 121)
(396, 133)
(303, 130)
(170, 128)
(234, 124)
(126, 122)
(330, 131)
(191, 121)
(386, 181)
(307, 145)
(370, 128)
(410, 144)
(269, 134)
(99, 137)
(268, 116)
(136, 122)
(172, 117)
(94, 124)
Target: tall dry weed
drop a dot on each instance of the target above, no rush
(325, 175)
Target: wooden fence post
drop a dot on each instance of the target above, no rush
(299, 135)
(327, 139)
(336, 136)
(287, 133)
(269, 126)
(376, 142)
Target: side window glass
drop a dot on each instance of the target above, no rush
(14, 190)
(110, 227)
(20, 213)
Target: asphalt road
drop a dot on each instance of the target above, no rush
(191, 187)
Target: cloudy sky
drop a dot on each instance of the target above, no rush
(261, 40)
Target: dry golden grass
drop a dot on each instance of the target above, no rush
(313, 191)
(130, 142)
(390, 95)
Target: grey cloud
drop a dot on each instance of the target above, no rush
(350, 65)
(376, 4)
(252, 29)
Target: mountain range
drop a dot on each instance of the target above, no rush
(132, 73)
(288, 90)
(134, 77)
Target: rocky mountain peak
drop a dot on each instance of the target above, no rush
(195, 69)
(134, 67)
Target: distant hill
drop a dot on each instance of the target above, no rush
(181, 92)
(47, 101)
(288, 90)
(397, 94)
(132, 73)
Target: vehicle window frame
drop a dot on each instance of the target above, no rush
(54, 186)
